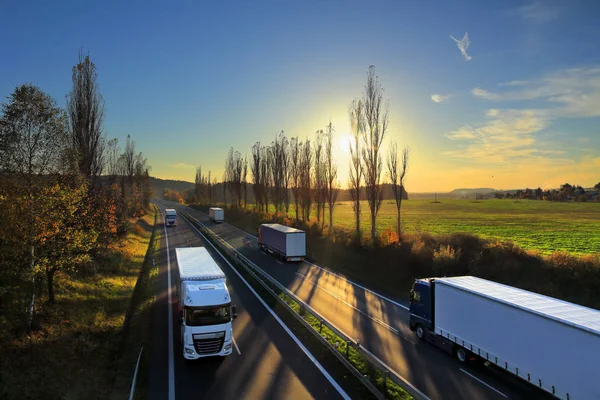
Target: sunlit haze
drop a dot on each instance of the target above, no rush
(499, 94)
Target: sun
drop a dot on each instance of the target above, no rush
(343, 144)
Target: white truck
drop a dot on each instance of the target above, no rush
(170, 217)
(547, 342)
(205, 310)
(286, 243)
(216, 214)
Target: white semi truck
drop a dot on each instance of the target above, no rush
(205, 309)
(286, 243)
(547, 342)
(170, 217)
(216, 214)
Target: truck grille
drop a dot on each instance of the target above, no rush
(211, 343)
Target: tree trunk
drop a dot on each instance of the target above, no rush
(330, 218)
(373, 221)
(31, 307)
(50, 277)
(399, 217)
(357, 216)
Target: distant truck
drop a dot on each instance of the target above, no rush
(286, 243)
(205, 310)
(549, 343)
(170, 217)
(216, 214)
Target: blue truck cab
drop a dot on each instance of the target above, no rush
(421, 307)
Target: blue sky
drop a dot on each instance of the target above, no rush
(190, 79)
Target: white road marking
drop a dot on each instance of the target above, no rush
(279, 262)
(483, 383)
(380, 322)
(236, 346)
(171, 361)
(312, 358)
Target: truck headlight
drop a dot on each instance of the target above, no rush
(227, 347)
(189, 351)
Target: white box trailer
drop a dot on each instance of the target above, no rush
(286, 243)
(170, 217)
(205, 310)
(550, 343)
(216, 214)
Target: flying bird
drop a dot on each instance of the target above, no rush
(463, 45)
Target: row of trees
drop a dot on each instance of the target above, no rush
(65, 190)
(306, 172)
(566, 192)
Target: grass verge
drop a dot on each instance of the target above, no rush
(352, 385)
(73, 354)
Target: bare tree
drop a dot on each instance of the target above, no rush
(256, 170)
(377, 120)
(294, 170)
(332, 189)
(397, 174)
(320, 179)
(357, 124)
(85, 107)
(112, 154)
(266, 176)
(244, 181)
(306, 159)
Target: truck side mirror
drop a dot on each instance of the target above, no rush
(233, 312)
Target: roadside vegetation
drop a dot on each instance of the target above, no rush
(74, 229)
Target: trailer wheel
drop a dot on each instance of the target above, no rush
(462, 355)
(420, 332)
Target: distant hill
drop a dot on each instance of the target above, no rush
(160, 184)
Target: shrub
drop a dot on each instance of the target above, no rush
(445, 259)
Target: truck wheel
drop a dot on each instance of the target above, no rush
(462, 355)
(420, 332)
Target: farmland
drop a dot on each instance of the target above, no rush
(534, 225)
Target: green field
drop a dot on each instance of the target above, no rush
(534, 225)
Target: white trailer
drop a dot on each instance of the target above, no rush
(205, 310)
(170, 217)
(216, 214)
(286, 243)
(547, 342)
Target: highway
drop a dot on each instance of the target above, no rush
(267, 362)
(381, 325)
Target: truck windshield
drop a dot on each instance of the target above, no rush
(200, 316)
(171, 217)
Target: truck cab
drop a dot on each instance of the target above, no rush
(206, 317)
(421, 310)
(170, 217)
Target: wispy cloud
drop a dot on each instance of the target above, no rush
(539, 11)
(507, 136)
(463, 45)
(584, 140)
(439, 98)
(572, 92)
(484, 94)
(181, 165)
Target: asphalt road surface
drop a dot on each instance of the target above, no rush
(381, 325)
(266, 362)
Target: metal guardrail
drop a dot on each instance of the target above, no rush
(265, 280)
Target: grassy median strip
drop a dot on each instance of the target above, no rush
(351, 384)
